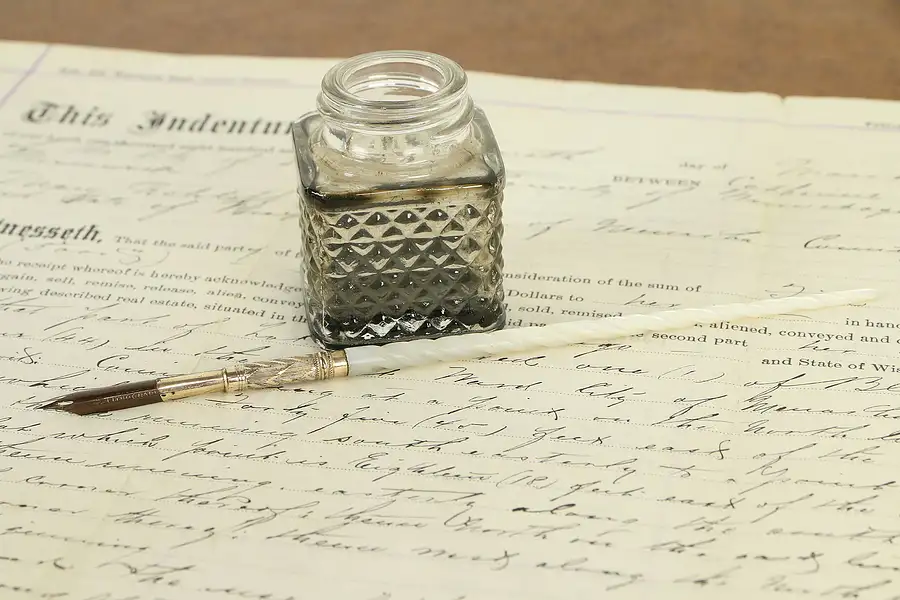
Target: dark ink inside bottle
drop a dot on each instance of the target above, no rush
(401, 190)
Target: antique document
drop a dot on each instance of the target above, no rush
(148, 227)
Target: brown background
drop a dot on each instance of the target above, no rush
(790, 47)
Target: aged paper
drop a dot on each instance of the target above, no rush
(148, 227)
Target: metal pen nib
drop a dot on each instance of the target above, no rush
(237, 378)
(112, 397)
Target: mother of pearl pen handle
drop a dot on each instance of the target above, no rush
(373, 359)
(363, 360)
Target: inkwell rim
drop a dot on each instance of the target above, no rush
(448, 100)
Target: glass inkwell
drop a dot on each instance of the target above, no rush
(401, 185)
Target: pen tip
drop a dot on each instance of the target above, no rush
(105, 399)
(58, 403)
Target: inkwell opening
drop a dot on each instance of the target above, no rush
(395, 107)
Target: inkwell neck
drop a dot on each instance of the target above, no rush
(395, 106)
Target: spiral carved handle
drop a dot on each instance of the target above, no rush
(366, 360)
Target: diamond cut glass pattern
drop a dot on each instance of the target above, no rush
(405, 271)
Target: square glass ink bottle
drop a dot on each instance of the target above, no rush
(400, 190)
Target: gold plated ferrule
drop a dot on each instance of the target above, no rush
(263, 374)
(339, 367)
(197, 384)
